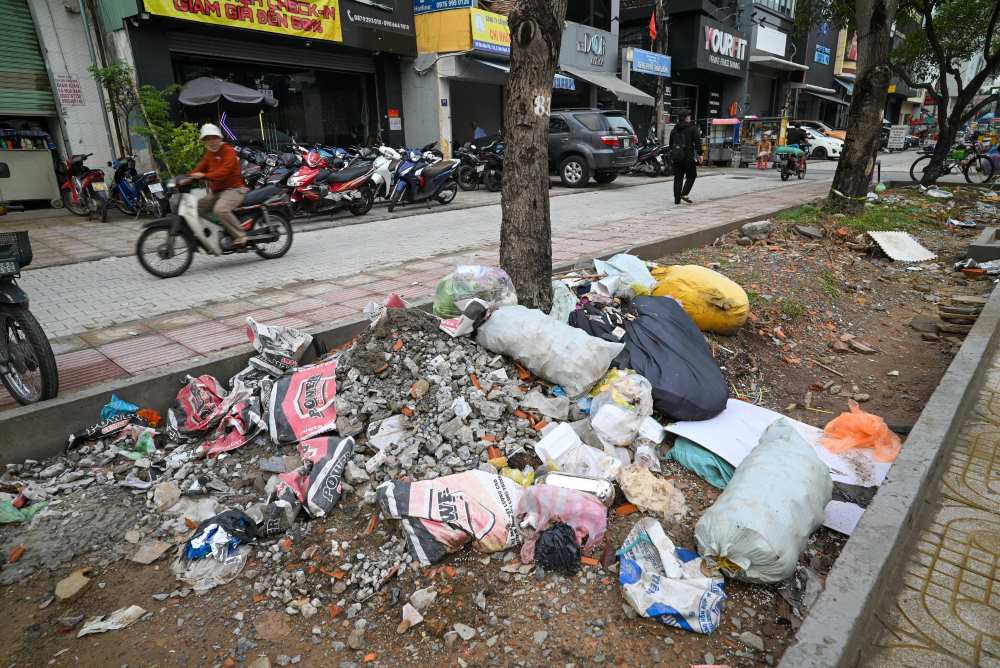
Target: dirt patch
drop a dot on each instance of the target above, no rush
(808, 297)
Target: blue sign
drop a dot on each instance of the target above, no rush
(648, 62)
(563, 82)
(822, 54)
(427, 6)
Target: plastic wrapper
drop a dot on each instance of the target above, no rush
(303, 403)
(205, 574)
(651, 494)
(715, 303)
(858, 429)
(707, 465)
(542, 505)
(218, 536)
(558, 550)
(278, 348)
(103, 429)
(117, 620)
(556, 408)
(442, 515)
(619, 410)
(667, 583)
(756, 529)
(242, 421)
(556, 352)
(564, 302)
(472, 313)
(625, 275)
(489, 284)
(562, 449)
(319, 483)
(117, 406)
(200, 404)
(136, 441)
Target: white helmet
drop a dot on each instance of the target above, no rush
(209, 130)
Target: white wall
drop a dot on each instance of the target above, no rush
(64, 44)
(420, 104)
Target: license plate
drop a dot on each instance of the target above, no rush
(480, 168)
(99, 185)
(625, 143)
(155, 188)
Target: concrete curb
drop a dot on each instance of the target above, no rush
(836, 629)
(41, 430)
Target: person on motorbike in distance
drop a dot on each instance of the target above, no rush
(220, 166)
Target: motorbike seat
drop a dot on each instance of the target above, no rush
(430, 171)
(350, 173)
(260, 195)
(323, 175)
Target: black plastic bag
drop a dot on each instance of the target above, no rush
(663, 344)
(556, 549)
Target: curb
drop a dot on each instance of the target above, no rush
(835, 631)
(41, 430)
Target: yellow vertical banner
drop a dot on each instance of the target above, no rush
(313, 19)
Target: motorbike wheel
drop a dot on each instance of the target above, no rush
(122, 205)
(916, 173)
(447, 193)
(80, 207)
(275, 249)
(396, 198)
(364, 205)
(468, 178)
(32, 374)
(493, 180)
(979, 170)
(785, 174)
(160, 254)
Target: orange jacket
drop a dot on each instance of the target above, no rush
(221, 169)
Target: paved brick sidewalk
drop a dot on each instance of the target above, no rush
(947, 608)
(138, 345)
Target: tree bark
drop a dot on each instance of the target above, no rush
(660, 46)
(874, 19)
(526, 228)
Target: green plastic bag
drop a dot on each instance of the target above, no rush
(491, 284)
(710, 467)
(11, 515)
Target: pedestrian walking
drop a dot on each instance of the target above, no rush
(685, 146)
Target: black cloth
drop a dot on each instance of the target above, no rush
(684, 175)
(795, 136)
(685, 142)
(598, 320)
(664, 345)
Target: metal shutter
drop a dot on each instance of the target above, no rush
(24, 82)
(317, 56)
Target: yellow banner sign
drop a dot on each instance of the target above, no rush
(314, 19)
(490, 32)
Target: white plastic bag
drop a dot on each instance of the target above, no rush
(666, 583)
(631, 268)
(553, 350)
(562, 448)
(760, 523)
(619, 411)
(564, 302)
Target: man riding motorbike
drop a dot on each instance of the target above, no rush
(220, 166)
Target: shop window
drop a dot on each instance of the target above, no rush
(785, 7)
(596, 13)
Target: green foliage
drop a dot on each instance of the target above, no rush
(177, 146)
(804, 215)
(828, 283)
(792, 308)
(117, 82)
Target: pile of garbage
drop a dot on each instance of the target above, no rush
(489, 426)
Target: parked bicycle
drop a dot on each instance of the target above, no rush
(968, 159)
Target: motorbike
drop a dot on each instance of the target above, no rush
(471, 168)
(27, 366)
(166, 246)
(421, 178)
(316, 189)
(385, 164)
(492, 157)
(132, 193)
(651, 160)
(792, 160)
(82, 189)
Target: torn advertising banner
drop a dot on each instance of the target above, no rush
(318, 483)
(303, 403)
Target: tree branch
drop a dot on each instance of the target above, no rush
(902, 73)
(988, 47)
(976, 107)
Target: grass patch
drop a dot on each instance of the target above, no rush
(753, 297)
(802, 215)
(876, 218)
(828, 283)
(792, 308)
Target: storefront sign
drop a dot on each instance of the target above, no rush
(770, 41)
(490, 33)
(594, 45)
(649, 62)
(822, 54)
(427, 6)
(376, 15)
(313, 19)
(69, 90)
(722, 48)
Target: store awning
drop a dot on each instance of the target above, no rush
(778, 63)
(559, 82)
(621, 90)
(829, 98)
(812, 88)
(846, 83)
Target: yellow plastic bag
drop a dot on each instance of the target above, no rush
(714, 302)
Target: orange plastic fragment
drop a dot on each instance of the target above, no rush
(540, 425)
(407, 411)
(858, 429)
(449, 571)
(397, 346)
(16, 554)
(521, 414)
(589, 561)
(152, 418)
(522, 373)
(335, 611)
(475, 381)
(625, 509)
(191, 524)
(369, 657)
(372, 523)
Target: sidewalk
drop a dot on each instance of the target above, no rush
(946, 610)
(136, 346)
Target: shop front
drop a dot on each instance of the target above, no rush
(330, 66)
(644, 70)
(590, 56)
(772, 74)
(709, 63)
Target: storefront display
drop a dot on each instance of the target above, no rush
(709, 62)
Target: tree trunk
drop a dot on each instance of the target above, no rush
(660, 46)
(948, 125)
(874, 19)
(526, 229)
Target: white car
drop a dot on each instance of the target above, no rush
(821, 146)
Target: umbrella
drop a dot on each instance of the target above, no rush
(988, 116)
(206, 90)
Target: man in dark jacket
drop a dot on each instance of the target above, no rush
(685, 144)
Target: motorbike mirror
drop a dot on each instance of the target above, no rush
(4, 170)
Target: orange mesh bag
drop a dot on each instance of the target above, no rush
(858, 429)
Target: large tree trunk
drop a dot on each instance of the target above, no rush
(526, 229)
(948, 125)
(874, 19)
(659, 45)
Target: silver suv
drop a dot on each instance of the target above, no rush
(590, 142)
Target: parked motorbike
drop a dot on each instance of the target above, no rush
(383, 179)
(792, 160)
(316, 188)
(82, 189)
(132, 193)
(27, 365)
(166, 246)
(651, 160)
(471, 168)
(418, 179)
(492, 157)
